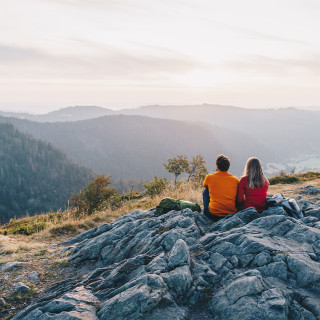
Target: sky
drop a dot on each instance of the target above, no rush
(129, 53)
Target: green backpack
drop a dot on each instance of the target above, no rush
(168, 204)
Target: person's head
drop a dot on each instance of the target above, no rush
(254, 173)
(222, 162)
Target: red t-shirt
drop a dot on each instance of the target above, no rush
(252, 197)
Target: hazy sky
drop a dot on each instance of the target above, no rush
(127, 53)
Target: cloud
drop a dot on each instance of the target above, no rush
(254, 34)
(259, 64)
(9, 53)
(106, 62)
(109, 4)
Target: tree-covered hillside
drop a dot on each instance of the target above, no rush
(134, 147)
(34, 176)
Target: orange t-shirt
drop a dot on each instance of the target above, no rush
(223, 192)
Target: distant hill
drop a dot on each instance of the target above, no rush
(64, 114)
(135, 146)
(290, 134)
(35, 176)
(283, 138)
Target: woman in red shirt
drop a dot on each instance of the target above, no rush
(253, 186)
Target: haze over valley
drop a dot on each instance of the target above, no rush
(133, 143)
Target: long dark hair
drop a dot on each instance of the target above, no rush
(254, 174)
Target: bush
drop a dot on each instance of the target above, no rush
(94, 196)
(156, 186)
(283, 179)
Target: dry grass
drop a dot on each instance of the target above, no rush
(65, 224)
(290, 190)
(13, 248)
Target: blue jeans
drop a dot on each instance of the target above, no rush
(206, 201)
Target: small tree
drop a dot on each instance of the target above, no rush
(177, 166)
(94, 195)
(156, 186)
(197, 169)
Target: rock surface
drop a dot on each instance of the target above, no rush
(21, 288)
(10, 266)
(311, 190)
(181, 266)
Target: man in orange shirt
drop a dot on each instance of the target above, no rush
(219, 197)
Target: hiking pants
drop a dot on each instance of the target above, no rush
(206, 201)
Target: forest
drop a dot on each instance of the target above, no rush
(35, 176)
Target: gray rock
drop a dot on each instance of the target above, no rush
(261, 259)
(134, 302)
(10, 266)
(244, 286)
(79, 304)
(247, 215)
(179, 255)
(33, 276)
(311, 190)
(274, 304)
(273, 211)
(297, 312)
(168, 312)
(277, 270)
(21, 288)
(217, 261)
(181, 266)
(313, 213)
(307, 271)
(160, 263)
(179, 279)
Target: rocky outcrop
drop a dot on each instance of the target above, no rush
(181, 266)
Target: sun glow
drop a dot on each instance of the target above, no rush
(196, 78)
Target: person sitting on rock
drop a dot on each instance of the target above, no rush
(219, 196)
(253, 187)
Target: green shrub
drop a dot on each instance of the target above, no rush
(156, 186)
(283, 179)
(94, 196)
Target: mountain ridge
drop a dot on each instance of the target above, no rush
(133, 146)
(284, 138)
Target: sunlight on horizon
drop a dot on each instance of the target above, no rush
(55, 53)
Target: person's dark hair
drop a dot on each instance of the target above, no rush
(223, 162)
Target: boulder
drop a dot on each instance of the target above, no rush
(181, 266)
(311, 190)
(21, 288)
(179, 255)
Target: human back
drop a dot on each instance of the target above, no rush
(223, 191)
(253, 186)
(222, 187)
